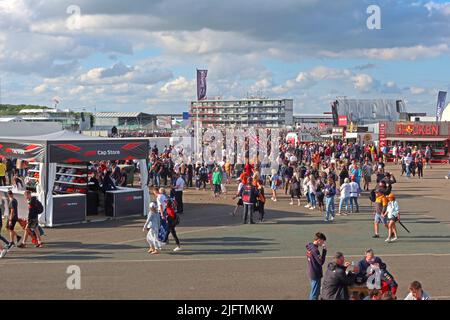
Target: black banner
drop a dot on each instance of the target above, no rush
(26, 151)
(74, 152)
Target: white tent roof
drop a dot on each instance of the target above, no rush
(55, 136)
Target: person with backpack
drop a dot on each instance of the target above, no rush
(167, 207)
(249, 195)
(35, 208)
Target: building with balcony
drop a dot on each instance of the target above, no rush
(261, 112)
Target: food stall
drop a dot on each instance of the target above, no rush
(419, 134)
(59, 165)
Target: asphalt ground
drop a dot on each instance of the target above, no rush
(224, 259)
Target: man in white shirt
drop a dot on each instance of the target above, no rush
(354, 194)
(416, 292)
(179, 187)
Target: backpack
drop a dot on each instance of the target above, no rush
(372, 196)
(39, 207)
(246, 194)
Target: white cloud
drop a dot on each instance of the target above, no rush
(40, 89)
(442, 8)
(363, 82)
(119, 73)
(76, 91)
(179, 85)
(394, 53)
(417, 90)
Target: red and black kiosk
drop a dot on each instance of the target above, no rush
(59, 174)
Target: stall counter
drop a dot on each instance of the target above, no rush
(124, 202)
(69, 208)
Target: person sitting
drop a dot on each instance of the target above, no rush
(416, 292)
(337, 279)
(374, 294)
(388, 283)
(365, 263)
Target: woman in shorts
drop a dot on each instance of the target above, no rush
(275, 182)
(393, 215)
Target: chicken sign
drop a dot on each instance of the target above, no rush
(417, 129)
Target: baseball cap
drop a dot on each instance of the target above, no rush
(153, 205)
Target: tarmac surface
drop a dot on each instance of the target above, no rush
(224, 259)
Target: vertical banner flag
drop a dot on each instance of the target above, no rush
(201, 84)
(442, 96)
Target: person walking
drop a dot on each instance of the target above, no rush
(34, 209)
(330, 192)
(179, 187)
(217, 181)
(419, 166)
(261, 200)
(276, 182)
(249, 195)
(238, 196)
(312, 186)
(315, 262)
(337, 279)
(408, 161)
(428, 154)
(380, 211)
(393, 215)
(3, 249)
(2, 173)
(344, 196)
(295, 190)
(355, 191)
(367, 174)
(167, 212)
(152, 227)
(13, 217)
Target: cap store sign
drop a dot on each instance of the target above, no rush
(417, 129)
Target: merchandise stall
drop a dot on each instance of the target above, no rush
(418, 134)
(58, 174)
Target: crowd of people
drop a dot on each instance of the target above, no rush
(325, 178)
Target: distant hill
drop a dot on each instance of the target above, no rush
(9, 109)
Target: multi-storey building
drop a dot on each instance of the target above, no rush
(270, 113)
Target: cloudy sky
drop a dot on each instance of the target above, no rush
(141, 55)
